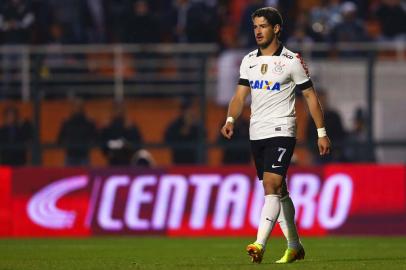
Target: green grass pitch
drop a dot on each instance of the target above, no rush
(123, 253)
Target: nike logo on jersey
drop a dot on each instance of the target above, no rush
(265, 85)
(274, 166)
(253, 66)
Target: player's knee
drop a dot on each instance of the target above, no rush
(272, 189)
(272, 184)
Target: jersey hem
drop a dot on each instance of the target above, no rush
(272, 136)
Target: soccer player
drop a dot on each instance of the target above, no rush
(270, 75)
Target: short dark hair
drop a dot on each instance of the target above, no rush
(271, 14)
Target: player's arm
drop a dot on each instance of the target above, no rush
(235, 108)
(317, 114)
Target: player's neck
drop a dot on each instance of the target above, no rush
(271, 49)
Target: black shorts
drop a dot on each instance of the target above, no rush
(273, 155)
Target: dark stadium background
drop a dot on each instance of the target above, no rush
(109, 134)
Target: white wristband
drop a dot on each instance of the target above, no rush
(321, 132)
(230, 119)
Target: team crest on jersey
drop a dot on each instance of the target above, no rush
(278, 69)
(265, 85)
(264, 68)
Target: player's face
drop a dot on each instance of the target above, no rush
(264, 32)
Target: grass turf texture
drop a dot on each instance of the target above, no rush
(197, 253)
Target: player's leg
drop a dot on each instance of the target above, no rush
(286, 220)
(269, 215)
(295, 250)
(272, 183)
(270, 211)
(256, 250)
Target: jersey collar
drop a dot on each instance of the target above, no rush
(276, 53)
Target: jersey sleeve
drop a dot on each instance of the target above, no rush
(300, 74)
(243, 73)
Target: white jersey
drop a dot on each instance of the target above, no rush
(272, 80)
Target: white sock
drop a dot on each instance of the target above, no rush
(269, 216)
(286, 221)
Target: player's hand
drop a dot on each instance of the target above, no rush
(324, 145)
(227, 130)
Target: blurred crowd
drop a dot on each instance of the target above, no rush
(120, 141)
(226, 22)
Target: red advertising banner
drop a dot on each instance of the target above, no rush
(379, 199)
(5, 202)
(197, 201)
(49, 202)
